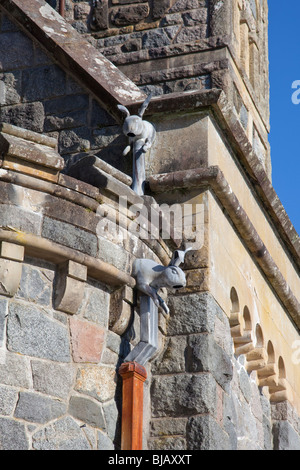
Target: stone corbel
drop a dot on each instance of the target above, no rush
(71, 277)
(120, 310)
(11, 258)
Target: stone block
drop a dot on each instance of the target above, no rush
(10, 88)
(10, 275)
(27, 115)
(173, 357)
(104, 442)
(34, 286)
(87, 410)
(168, 427)
(21, 52)
(26, 134)
(81, 11)
(63, 434)
(67, 120)
(156, 38)
(183, 395)
(203, 354)
(12, 435)
(12, 251)
(52, 379)
(8, 400)
(167, 443)
(100, 15)
(38, 409)
(31, 332)
(43, 83)
(68, 235)
(97, 305)
(28, 150)
(120, 310)
(19, 219)
(87, 341)
(96, 381)
(160, 7)
(192, 313)
(204, 433)
(112, 419)
(75, 140)
(14, 371)
(285, 436)
(128, 15)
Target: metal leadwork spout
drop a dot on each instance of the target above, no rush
(150, 277)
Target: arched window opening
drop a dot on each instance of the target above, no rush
(247, 319)
(281, 368)
(259, 337)
(271, 353)
(235, 305)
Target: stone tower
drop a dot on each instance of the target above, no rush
(176, 46)
(226, 371)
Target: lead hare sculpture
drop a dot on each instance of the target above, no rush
(141, 136)
(150, 276)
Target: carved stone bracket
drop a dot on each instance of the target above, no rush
(71, 277)
(11, 257)
(120, 310)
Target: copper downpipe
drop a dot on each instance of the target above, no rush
(62, 6)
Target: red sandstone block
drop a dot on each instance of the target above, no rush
(87, 340)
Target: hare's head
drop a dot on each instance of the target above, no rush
(133, 125)
(172, 277)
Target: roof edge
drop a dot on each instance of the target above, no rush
(74, 53)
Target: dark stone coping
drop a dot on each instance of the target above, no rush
(75, 54)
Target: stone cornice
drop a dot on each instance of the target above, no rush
(215, 102)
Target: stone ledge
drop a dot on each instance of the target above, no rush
(28, 152)
(215, 100)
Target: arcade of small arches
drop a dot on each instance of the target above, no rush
(260, 356)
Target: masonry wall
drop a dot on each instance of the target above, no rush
(49, 370)
(182, 45)
(202, 395)
(37, 94)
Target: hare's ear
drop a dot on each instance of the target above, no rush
(144, 105)
(123, 109)
(178, 257)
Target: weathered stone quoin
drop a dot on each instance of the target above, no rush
(223, 372)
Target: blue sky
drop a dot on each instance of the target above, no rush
(284, 56)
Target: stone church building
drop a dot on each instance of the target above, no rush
(225, 372)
